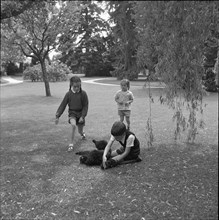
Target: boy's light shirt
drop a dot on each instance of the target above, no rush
(129, 142)
(124, 97)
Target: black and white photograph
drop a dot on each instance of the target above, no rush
(109, 110)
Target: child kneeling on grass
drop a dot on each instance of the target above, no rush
(129, 150)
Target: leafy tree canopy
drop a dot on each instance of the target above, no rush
(85, 46)
(14, 8)
(36, 31)
(124, 34)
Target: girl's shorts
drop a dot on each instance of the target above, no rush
(77, 121)
(126, 113)
(76, 116)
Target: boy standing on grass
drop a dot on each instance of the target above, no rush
(124, 98)
(129, 150)
(77, 101)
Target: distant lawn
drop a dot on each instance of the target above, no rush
(41, 180)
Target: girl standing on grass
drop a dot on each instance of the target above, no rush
(77, 101)
(124, 98)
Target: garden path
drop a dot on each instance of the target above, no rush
(8, 80)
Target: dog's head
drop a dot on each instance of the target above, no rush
(100, 145)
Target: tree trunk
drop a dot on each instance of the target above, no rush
(217, 68)
(21, 67)
(45, 77)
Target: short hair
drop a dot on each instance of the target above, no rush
(125, 81)
(118, 128)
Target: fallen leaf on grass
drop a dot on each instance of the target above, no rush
(147, 184)
(167, 202)
(111, 203)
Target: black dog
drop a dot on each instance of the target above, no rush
(100, 145)
(93, 157)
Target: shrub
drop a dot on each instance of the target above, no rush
(33, 73)
(121, 74)
(56, 72)
(12, 68)
(98, 70)
(209, 81)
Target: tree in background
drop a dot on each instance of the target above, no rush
(211, 48)
(85, 49)
(216, 69)
(9, 54)
(175, 31)
(124, 34)
(13, 8)
(36, 31)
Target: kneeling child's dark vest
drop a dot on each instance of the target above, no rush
(135, 150)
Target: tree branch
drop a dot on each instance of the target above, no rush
(23, 51)
(34, 51)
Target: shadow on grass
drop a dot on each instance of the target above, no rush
(45, 181)
(41, 180)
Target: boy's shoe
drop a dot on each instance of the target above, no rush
(83, 136)
(138, 159)
(70, 147)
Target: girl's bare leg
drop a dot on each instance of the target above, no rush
(73, 124)
(81, 129)
(128, 122)
(121, 118)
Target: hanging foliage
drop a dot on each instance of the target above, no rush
(149, 127)
(175, 32)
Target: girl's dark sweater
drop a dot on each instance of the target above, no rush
(77, 102)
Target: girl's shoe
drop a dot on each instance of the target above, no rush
(70, 147)
(83, 136)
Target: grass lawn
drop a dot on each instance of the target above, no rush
(41, 180)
